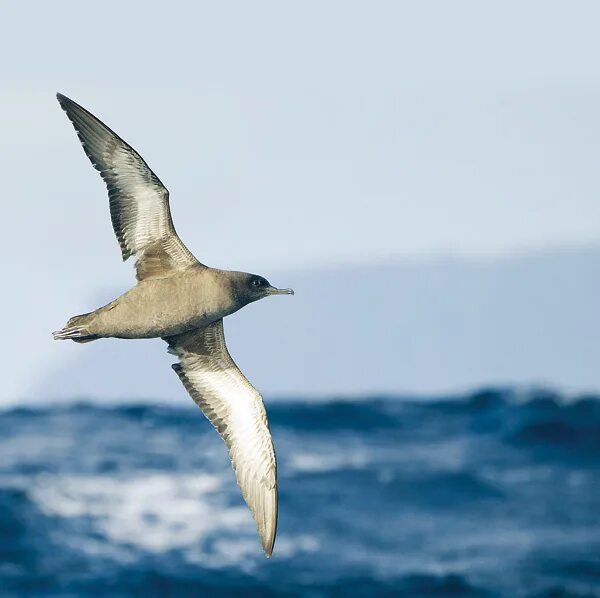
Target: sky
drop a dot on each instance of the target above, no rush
(292, 137)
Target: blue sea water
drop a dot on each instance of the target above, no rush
(491, 494)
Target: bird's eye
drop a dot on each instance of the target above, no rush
(257, 282)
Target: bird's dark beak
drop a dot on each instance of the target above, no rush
(275, 291)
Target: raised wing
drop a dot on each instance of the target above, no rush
(236, 410)
(139, 203)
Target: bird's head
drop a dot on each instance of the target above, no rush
(252, 287)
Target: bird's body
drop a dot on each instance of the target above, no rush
(181, 300)
(164, 307)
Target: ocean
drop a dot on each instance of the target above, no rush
(496, 493)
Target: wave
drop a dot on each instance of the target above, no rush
(368, 412)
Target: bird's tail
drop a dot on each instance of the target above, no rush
(76, 330)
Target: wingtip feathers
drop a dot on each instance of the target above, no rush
(266, 519)
(62, 99)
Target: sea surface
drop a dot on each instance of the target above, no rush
(491, 494)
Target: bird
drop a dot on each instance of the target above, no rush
(182, 301)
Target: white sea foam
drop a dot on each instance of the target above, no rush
(157, 512)
(448, 454)
(318, 462)
(291, 546)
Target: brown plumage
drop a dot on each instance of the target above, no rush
(184, 302)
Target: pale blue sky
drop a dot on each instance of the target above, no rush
(293, 135)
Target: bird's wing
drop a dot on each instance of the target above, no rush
(235, 408)
(139, 203)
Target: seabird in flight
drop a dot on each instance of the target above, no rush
(183, 302)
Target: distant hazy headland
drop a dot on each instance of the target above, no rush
(428, 327)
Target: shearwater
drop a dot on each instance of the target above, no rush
(182, 301)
